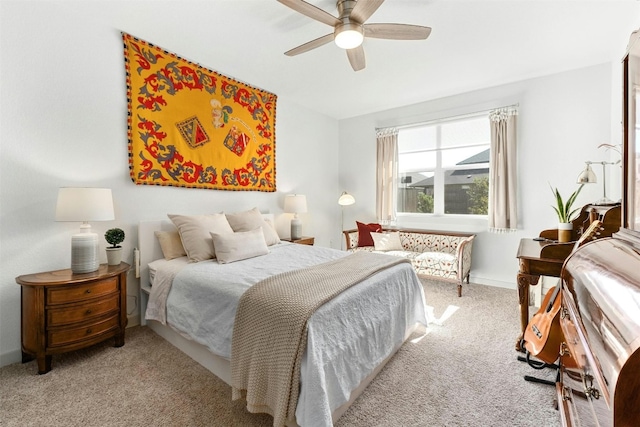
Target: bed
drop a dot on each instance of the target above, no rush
(366, 323)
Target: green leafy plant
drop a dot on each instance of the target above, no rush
(425, 203)
(562, 208)
(114, 237)
(478, 193)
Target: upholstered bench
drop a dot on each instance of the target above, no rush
(439, 254)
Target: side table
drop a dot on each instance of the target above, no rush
(63, 311)
(304, 240)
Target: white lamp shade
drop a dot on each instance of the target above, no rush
(346, 199)
(84, 204)
(295, 203)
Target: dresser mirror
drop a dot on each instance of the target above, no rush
(631, 136)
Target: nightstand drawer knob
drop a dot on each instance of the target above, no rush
(89, 331)
(88, 311)
(88, 291)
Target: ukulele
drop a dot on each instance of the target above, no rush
(543, 336)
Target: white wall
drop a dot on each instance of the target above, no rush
(562, 120)
(63, 123)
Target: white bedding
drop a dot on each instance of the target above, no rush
(201, 300)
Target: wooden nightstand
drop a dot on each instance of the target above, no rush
(62, 311)
(304, 240)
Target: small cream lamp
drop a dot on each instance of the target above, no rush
(295, 204)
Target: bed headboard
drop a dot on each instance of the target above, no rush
(149, 247)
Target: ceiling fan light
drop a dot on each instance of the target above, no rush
(348, 36)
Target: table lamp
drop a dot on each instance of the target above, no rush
(84, 205)
(587, 176)
(295, 203)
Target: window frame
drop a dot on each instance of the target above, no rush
(440, 171)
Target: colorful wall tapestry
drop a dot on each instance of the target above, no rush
(193, 127)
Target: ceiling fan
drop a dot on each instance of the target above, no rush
(349, 29)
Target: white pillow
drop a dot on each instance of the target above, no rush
(240, 245)
(195, 233)
(170, 244)
(387, 241)
(250, 220)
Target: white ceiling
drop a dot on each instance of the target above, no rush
(473, 45)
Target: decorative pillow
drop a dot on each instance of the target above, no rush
(170, 244)
(387, 241)
(194, 232)
(364, 233)
(240, 245)
(250, 220)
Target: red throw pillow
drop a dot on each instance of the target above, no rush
(364, 233)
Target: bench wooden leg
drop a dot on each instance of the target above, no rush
(459, 289)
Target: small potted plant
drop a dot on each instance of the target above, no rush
(114, 237)
(565, 213)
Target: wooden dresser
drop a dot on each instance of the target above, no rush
(62, 311)
(600, 358)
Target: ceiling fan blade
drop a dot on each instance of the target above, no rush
(364, 9)
(396, 31)
(356, 58)
(310, 45)
(311, 11)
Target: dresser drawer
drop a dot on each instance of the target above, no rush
(578, 347)
(572, 348)
(78, 313)
(65, 336)
(580, 403)
(81, 292)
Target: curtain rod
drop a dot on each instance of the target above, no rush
(459, 116)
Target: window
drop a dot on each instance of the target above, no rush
(443, 167)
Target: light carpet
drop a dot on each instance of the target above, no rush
(462, 372)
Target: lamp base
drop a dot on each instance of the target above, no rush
(296, 229)
(605, 202)
(84, 253)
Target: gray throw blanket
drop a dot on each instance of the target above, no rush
(270, 330)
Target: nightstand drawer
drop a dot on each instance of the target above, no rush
(65, 336)
(81, 292)
(74, 314)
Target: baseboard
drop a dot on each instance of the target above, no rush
(492, 282)
(133, 320)
(10, 358)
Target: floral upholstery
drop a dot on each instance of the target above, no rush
(432, 253)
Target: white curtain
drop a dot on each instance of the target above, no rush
(503, 215)
(386, 175)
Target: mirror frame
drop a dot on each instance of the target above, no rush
(630, 146)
